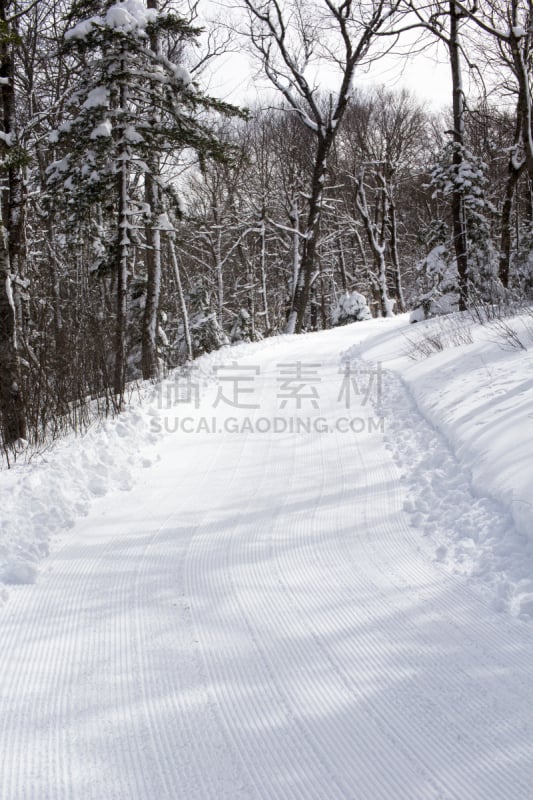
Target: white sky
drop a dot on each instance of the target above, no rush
(428, 79)
(426, 74)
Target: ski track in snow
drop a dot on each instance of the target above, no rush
(469, 532)
(259, 619)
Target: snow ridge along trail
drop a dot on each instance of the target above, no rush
(260, 620)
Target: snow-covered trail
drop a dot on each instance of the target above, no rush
(257, 619)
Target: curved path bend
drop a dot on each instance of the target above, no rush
(258, 620)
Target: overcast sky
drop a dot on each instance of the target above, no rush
(427, 75)
(233, 78)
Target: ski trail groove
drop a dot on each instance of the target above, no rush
(258, 620)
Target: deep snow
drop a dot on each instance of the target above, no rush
(268, 603)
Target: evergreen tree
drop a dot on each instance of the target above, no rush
(205, 331)
(350, 307)
(466, 176)
(136, 107)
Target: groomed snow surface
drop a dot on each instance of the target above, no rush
(304, 571)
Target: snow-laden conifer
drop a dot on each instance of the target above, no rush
(135, 108)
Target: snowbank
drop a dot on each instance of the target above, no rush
(459, 424)
(40, 498)
(477, 400)
(47, 495)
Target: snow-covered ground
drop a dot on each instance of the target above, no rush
(474, 499)
(305, 571)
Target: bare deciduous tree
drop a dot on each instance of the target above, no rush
(294, 40)
(509, 24)
(11, 402)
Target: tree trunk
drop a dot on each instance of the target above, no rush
(122, 255)
(307, 264)
(149, 358)
(181, 299)
(122, 286)
(458, 210)
(377, 247)
(150, 324)
(520, 51)
(11, 402)
(342, 264)
(296, 262)
(396, 271)
(513, 176)
(13, 212)
(12, 411)
(263, 259)
(219, 268)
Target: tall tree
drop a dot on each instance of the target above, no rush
(137, 107)
(458, 136)
(154, 209)
(293, 39)
(509, 25)
(12, 413)
(443, 20)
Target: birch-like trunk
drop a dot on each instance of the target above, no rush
(149, 356)
(395, 258)
(297, 275)
(11, 402)
(506, 236)
(263, 259)
(520, 45)
(181, 298)
(515, 168)
(458, 208)
(122, 255)
(12, 410)
(342, 263)
(377, 247)
(150, 323)
(219, 261)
